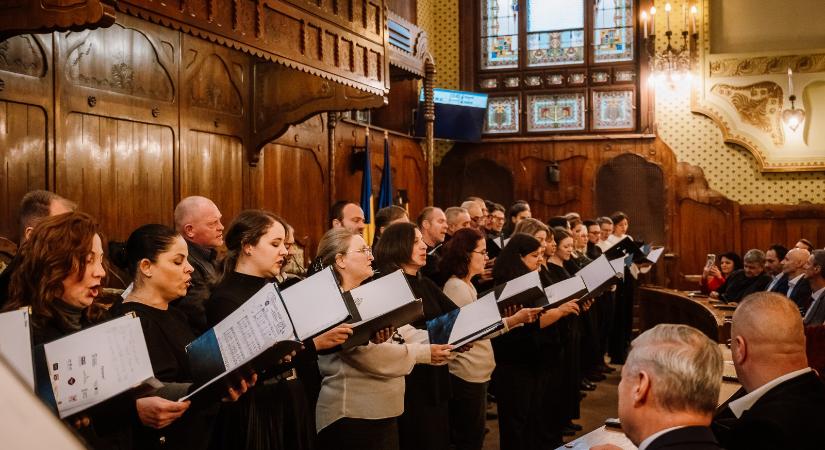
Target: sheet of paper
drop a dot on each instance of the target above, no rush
(381, 296)
(16, 343)
(257, 325)
(618, 266)
(598, 272)
(564, 289)
(95, 364)
(655, 254)
(315, 304)
(474, 317)
(520, 284)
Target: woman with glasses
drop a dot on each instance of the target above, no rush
(277, 413)
(425, 422)
(463, 258)
(362, 392)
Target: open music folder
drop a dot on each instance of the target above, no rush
(525, 290)
(387, 302)
(564, 291)
(466, 324)
(94, 365)
(596, 276)
(258, 335)
(16, 343)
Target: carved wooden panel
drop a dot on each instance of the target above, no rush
(22, 158)
(763, 225)
(26, 16)
(211, 165)
(705, 229)
(119, 171)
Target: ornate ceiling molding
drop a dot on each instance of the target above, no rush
(409, 45)
(765, 65)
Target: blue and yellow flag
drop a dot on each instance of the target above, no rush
(366, 192)
(385, 193)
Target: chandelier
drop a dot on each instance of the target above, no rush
(794, 116)
(672, 65)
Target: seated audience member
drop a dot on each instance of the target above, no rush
(782, 401)
(774, 257)
(432, 222)
(387, 216)
(714, 277)
(669, 389)
(343, 214)
(518, 211)
(34, 207)
(797, 287)
(606, 226)
(752, 278)
(476, 214)
(815, 314)
(156, 257)
(198, 220)
(806, 244)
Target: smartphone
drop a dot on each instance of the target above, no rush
(711, 261)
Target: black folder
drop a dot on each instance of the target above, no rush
(531, 297)
(362, 332)
(476, 320)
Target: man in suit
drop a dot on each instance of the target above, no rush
(669, 389)
(782, 401)
(432, 222)
(798, 288)
(815, 314)
(198, 220)
(774, 257)
(752, 278)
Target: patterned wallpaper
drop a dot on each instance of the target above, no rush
(694, 138)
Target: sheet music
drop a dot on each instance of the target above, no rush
(315, 304)
(95, 364)
(655, 254)
(618, 266)
(595, 274)
(252, 328)
(520, 284)
(381, 296)
(474, 317)
(564, 289)
(16, 343)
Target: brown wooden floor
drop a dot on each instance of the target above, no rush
(596, 407)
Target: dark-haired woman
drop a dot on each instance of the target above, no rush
(156, 257)
(714, 277)
(362, 392)
(276, 413)
(519, 377)
(518, 211)
(464, 257)
(425, 422)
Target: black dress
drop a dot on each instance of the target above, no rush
(275, 414)
(167, 333)
(425, 423)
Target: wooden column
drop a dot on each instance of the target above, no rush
(429, 119)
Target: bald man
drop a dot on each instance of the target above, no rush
(198, 220)
(793, 269)
(782, 401)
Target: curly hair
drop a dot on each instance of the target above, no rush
(455, 260)
(58, 248)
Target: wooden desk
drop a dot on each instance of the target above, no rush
(660, 305)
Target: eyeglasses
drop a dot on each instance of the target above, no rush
(480, 252)
(497, 218)
(366, 250)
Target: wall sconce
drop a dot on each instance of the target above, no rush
(792, 117)
(671, 64)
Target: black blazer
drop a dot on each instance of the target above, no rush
(738, 285)
(687, 438)
(801, 294)
(781, 286)
(791, 415)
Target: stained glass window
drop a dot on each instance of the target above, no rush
(555, 32)
(555, 112)
(502, 115)
(499, 34)
(613, 110)
(613, 31)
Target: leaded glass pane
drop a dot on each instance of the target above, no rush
(613, 31)
(499, 34)
(502, 115)
(555, 32)
(613, 110)
(555, 112)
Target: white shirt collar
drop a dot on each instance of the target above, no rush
(792, 283)
(655, 435)
(745, 403)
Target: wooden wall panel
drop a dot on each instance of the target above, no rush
(23, 158)
(119, 171)
(705, 229)
(211, 165)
